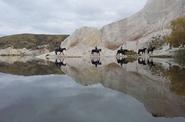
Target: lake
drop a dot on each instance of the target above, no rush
(91, 90)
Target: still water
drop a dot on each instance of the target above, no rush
(94, 90)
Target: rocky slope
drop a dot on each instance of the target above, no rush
(29, 44)
(131, 32)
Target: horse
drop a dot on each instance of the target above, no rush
(141, 61)
(60, 63)
(61, 50)
(122, 61)
(151, 50)
(96, 50)
(142, 51)
(122, 51)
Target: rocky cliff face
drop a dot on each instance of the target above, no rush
(131, 32)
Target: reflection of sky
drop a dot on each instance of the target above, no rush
(58, 98)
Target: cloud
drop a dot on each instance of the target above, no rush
(61, 16)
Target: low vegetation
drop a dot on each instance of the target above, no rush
(177, 39)
(177, 36)
(157, 41)
(32, 41)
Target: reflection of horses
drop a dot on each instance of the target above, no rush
(122, 51)
(151, 50)
(96, 62)
(61, 50)
(149, 62)
(141, 61)
(59, 63)
(142, 51)
(96, 50)
(122, 61)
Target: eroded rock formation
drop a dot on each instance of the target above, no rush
(132, 32)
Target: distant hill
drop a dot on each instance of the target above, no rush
(31, 41)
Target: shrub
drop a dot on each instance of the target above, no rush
(157, 41)
(177, 36)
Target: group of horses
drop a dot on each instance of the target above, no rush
(149, 50)
(61, 50)
(120, 51)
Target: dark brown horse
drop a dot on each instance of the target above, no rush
(142, 51)
(61, 50)
(151, 50)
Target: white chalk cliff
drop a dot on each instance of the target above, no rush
(131, 32)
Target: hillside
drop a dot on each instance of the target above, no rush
(31, 41)
(132, 33)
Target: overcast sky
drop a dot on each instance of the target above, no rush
(61, 16)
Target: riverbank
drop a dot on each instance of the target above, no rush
(10, 51)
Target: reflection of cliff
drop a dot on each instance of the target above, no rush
(176, 75)
(132, 79)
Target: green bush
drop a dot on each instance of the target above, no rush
(157, 41)
(177, 36)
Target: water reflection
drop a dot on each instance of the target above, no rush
(27, 66)
(96, 61)
(60, 62)
(139, 79)
(158, 84)
(122, 60)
